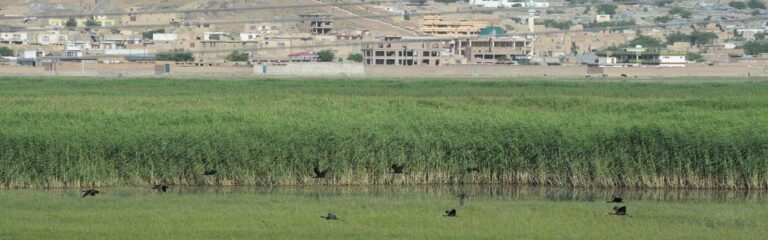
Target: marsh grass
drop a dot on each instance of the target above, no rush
(144, 214)
(95, 132)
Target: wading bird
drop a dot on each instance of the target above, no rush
(90, 192)
(210, 172)
(318, 173)
(450, 213)
(160, 188)
(621, 211)
(615, 199)
(463, 197)
(398, 168)
(330, 216)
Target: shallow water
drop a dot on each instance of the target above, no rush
(512, 192)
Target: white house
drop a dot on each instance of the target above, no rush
(249, 37)
(31, 54)
(672, 60)
(214, 36)
(602, 17)
(509, 4)
(14, 37)
(52, 38)
(165, 37)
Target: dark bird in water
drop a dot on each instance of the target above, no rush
(462, 198)
(450, 213)
(398, 168)
(621, 211)
(616, 199)
(160, 188)
(210, 172)
(473, 169)
(90, 192)
(320, 174)
(330, 216)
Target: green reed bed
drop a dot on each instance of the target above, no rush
(69, 132)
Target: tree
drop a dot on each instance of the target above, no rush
(326, 55)
(609, 9)
(694, 57)
(357, 57)
(695, 38)
(502, 58)
(238, 57)
(148, 34)
(737, 5)
(418, 2)
(5, 51)
(92, 23)
(756, 4)
(407, 16)
(71, 22)
(662, 19)
(176, 55)
(755, 47)
(574, 48)
(759, 36)
(680, 12)
(646, 42)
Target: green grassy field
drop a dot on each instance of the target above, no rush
(142, 214)
(70, 132)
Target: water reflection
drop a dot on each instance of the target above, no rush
(446, 191)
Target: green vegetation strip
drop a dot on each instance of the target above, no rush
(69, 132)
(32, 214)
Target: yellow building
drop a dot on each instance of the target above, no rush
(102, 20)
(435, 25)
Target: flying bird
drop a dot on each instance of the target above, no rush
(463, 197)
(90, 192)
(398, 168)
(160, 188)
(450, 213)
(210, 172)
(616, 199)
(318, 173)
(621, 211)
(330, 216)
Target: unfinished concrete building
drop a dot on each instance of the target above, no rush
(317, 24)
(435, 25)
(439, 52)
(491, 50)
(405, 52)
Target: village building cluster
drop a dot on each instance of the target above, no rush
(487, 32)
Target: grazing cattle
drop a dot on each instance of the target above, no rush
(450, 213)
(473, 169)
(615, 199)
(90, 192)
(210, 172)
(160, 188)
(398, 168)
(330, 216)
(621, 211)
(624, 75)
(318, 173)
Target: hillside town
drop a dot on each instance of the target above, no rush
(78, 35)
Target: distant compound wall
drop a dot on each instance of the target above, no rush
(332, 69)
(311, 69)
(487, 71)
